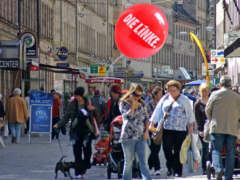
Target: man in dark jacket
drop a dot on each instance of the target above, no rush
(99, 104)
(81, 130)
(111, 107)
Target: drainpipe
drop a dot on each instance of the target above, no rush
(107, 8)
(38, 41)
(19, 17)
(76, 33)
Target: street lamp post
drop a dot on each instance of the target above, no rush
(195, 39)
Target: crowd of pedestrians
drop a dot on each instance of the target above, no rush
(142, 111)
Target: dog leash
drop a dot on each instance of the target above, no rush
(60, 146)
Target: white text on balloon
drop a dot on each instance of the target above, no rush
(141, 30)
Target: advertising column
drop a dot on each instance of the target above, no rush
(40, 113)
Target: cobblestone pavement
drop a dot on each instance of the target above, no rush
(36, 161)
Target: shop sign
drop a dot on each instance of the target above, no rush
(9, 63)
(217, 57)
(30, 41)
(102, 71)
(62, 53)
(64, 65)
(211, 68)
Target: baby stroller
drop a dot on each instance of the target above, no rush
(102, 147)
(236, 170)
(116, 158)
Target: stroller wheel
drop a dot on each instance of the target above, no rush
(119, 170)
(94, 162)
(108, 171)
(208, 169)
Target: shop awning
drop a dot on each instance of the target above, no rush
(233, 50)
(65, 70)
(104, 80)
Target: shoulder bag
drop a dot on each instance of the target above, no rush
(157, 136)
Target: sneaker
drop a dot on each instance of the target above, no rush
(151, 171)
(177, 175)
(157, 173)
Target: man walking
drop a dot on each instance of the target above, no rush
(17, 114)
(222, 110)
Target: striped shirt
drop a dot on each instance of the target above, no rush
(181, 113)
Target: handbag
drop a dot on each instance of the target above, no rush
(92, 123)
(1, 122)
(157, 136)
(207, 137)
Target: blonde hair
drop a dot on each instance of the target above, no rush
(203, 86)
(133, 87)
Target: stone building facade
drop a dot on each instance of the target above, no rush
(228, 37)
(9, 23)
(85, 28)
(162, 62)
(185, 51)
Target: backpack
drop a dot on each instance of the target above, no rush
(83, 122)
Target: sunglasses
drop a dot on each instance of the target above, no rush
(136, 95)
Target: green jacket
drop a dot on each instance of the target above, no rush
(72, 113)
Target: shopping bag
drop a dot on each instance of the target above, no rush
(184, 149)
(5, 132)
(190, 162)
(195, 147)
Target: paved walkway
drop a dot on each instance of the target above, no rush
(36, 161)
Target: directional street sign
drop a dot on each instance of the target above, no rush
(94, 69)
(102, 71)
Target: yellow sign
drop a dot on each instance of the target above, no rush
(102, 71)
(222, 60)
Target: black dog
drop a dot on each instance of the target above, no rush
(64, 167)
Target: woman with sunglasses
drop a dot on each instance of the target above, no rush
(180, 116)
(134, 132)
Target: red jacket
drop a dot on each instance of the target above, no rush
(55, 108)
(106, 110)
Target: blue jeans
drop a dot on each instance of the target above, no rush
(16, 130)
(218, 140)
(129, 148)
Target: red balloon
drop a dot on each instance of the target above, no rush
(141, 31)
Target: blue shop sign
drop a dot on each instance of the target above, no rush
(64, 65)
(62, 53)
(30, 42)
(41, 116)
(41, 97)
